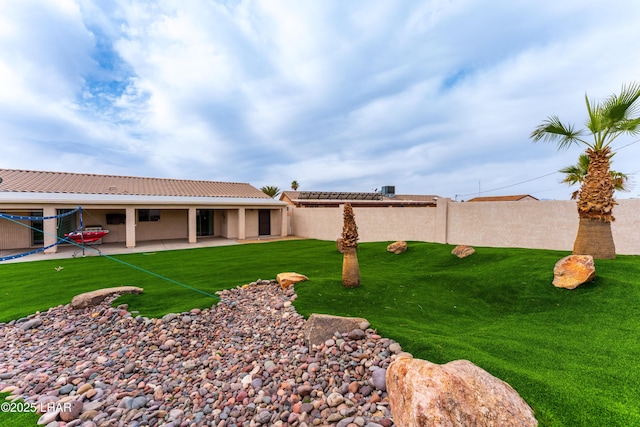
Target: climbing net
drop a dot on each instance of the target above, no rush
(18, 232)
(28, 230)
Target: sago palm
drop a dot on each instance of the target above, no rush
(350, 266)
(575, 174)
(607, 120)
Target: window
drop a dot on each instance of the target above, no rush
(148, 215)
(116, 218)
(66, 224)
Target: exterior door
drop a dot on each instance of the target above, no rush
(204, 222)
(264, 222)
(37, 227)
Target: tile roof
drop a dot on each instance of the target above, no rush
(76, 183)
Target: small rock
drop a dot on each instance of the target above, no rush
(463, 251)
(263, 417)
(379, 379)
(397, 247)
(334, 399)
(31, 324)
(287, 279)
(71, 410)
(357, 334)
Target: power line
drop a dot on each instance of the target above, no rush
(533, 179)
(507, 186)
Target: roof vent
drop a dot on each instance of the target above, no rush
(113, 189)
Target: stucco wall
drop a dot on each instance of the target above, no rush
(251, 223)
(529, 224)
(172, 225)
(276, 222)
(626, 227)
(374, 224)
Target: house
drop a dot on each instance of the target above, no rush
(133, 209)
(516, 198)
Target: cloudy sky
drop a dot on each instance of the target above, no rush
(433, 96)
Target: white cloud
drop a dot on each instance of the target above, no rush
(431, 97)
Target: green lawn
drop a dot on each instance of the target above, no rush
(572, 355)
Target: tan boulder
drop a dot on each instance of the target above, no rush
(93, 298)
(287, 279)
(456, 394)
(463, 251)
(573, 271)
(397, 247)
(321, 327)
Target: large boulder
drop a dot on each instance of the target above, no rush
(456, 394)
(93, 298)
(287, 279)
(463, 251)
(573, 271)
(397, 247)
(321, 327)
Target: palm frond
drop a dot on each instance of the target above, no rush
(594, 117)
(575, 174)
(631, 126)
(623, 106)
(620, 181)
(553, 130)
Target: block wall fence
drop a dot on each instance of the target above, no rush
(532, 224)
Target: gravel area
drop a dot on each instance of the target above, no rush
(243, 362)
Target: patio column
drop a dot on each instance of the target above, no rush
(131, 227)
(284, 222)
(242, 229)
(192, 226)
(50, 229)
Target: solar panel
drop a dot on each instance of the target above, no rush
(332, 195)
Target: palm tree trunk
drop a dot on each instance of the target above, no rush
(595, 207)
(595, 239)
(350, 268)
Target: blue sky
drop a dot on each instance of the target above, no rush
(434, 97)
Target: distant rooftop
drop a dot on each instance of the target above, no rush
(516, 198)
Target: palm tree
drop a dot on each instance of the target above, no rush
(270, 190)
(606, 121)
(350, 267)
(294, 185)
(575, 174)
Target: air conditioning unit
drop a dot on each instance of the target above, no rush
(389, 190)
